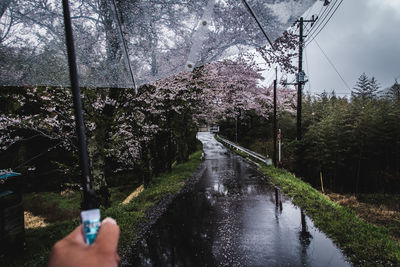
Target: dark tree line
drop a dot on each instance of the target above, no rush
(354, 142)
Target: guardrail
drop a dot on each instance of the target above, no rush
(253, 154)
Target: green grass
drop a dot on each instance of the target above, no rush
(53, 206)
(57, 207)
(119, 193)
(130, 215)
(40, 240)
(363, 243)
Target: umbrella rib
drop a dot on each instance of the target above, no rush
(258, 23)
(124, 45)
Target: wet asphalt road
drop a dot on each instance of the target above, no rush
(230, 219)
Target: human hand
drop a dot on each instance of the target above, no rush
(72, 250)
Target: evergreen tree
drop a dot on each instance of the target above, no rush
(394, 91)
(374, 87)
(365, 88)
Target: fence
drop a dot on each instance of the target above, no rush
(255, 155)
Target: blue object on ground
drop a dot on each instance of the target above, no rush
(4, 174)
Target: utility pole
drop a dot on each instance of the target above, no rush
(300, 75)
(279, 149)
(274, 131)
(236, 128)
(299, 83)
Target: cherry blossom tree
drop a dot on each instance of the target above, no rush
(148, 130)
(230, 86)
(282, 53)
(40, 111)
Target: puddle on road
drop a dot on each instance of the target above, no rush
(232, 220)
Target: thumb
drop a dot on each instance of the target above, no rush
(108, 236)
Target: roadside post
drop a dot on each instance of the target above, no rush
(279, 148)
(322, 182)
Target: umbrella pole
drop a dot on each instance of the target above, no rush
(88, 193)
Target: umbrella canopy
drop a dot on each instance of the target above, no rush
(121, 43)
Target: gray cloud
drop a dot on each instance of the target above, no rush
(362, 36)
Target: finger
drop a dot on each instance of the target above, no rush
(108, 236)
(77, 235)
(117, 258)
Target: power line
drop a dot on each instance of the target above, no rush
(308, 71)
(317, 16)
(306, 16)
(266, 63)
(336, 93)
(322, 18)
(333, 91)
(325, 22)
(330, 62)
(320, 10)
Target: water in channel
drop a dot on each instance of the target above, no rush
(231, 219)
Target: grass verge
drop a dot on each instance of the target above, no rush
(53, 206)
(379, 209)
(363, 243)
(40, 240)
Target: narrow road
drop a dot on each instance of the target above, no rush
(231, 219)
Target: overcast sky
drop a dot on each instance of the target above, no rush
(362, 36)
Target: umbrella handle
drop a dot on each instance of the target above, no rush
(91, 224)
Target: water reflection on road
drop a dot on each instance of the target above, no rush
(230, 219)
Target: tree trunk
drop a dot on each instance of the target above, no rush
(96, 144)
(358, 169)
(146, 164)
(97, 159)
